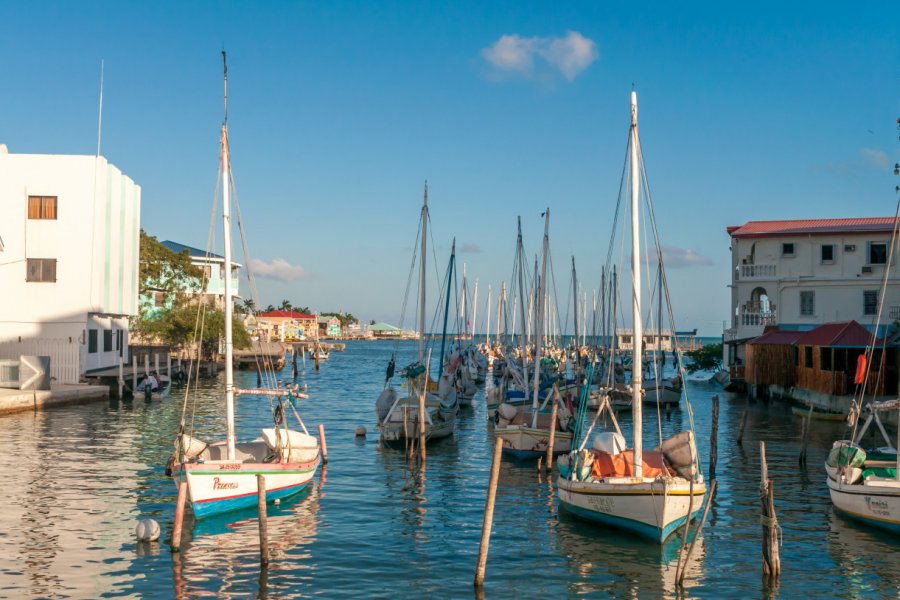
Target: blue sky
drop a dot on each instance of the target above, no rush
(340, 111)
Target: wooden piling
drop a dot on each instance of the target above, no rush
(709, 497)
(552, 441)
(714, 438)
(488, 513)
(263, 520)
(322, 444)
(121, 377)
(156, 363)
(740, 436)
(146, 364)
(179, 515)
(804, 436)
(771, 559)
(133, 373)
(169, 367)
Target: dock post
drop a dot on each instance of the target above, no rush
(552, 441)
(770, 527)
(804, 436)
(263, 520)
(714, 438)
(488, 514)
(156, 363)
(169, 367)
(740, 436)
(133, 373)
(179, 515)
(146, 364)
(322, 444)
(121, 377)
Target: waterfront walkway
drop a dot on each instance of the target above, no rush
(21, 400)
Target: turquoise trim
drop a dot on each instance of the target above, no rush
(876, 523)
(649, 532)
(203, 510)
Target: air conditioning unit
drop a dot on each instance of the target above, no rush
(867, 270)
(849, 247)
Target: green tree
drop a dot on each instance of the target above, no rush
(707, 357)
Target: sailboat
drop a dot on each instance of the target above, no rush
(398, 416)
(865, 483)
(222, 476)
(525, 430)
(647, 493)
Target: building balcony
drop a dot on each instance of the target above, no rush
(752, 323)
(753, 272)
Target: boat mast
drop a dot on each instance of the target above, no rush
(637, 368)
(422, 278)
(575, 294)
(539, 312)
(474, 309)
(229, 306)
(447, 307)
(487, 329)
(524, 339)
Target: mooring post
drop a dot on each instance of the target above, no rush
(121, 377)
(804, 436)
(147, 364)
(740, 436)
(179, 515)
(552, 441)
(263, 520)
(714, 438)
(133, 373)
(488, 513)
(322, 444)
(771, 560)
(709, 497)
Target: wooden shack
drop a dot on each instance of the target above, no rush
(827, 356)
(771, 358)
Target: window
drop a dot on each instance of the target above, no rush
(825, 359)
(827, 253)
(92, 341)
(40, 269)
(107, 340)
(807, 357)
(877, 253)
(42, 207)
(787, 249)
(807, 304)
(870, 302)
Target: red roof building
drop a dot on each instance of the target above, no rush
(811, 227)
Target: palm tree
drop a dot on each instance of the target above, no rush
(285, 305)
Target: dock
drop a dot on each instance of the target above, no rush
(12, 401)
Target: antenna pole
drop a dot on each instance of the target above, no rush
(100, 116)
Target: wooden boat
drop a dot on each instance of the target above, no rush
(818, 414)
(647, 493)
(222, 476)
(399, 416)
(864, 485)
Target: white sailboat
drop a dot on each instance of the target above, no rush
(398, 416)
(647, 493)
(525, 430)
(221, 476)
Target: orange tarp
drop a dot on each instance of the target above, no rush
(622, 464)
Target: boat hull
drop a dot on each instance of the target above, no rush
(666, 394)
(875, 505)
(652, 509)
(528, 442)
(216, 487)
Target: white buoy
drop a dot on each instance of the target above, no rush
(147, 530)
(361, 431)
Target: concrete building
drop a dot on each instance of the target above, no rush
(213, 267)
(69, 236)
(286, 325)
(800, 274)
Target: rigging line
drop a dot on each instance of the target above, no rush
(870, 351)
(622, 184)
(409, 278)
(671, 314)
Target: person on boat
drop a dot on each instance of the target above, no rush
(153, 381)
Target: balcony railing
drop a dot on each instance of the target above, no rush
(758, 318)
(757, 272)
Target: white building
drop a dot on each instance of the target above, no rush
(69, 236)
(800, 274)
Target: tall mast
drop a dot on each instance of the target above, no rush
(487, 329)
(539, 311)
(500, 316)
(462, 306)
(229, 305)
(447, 307)
(637, 368)
(474, 308)
(520, 251)
(575, 295)
(424, 250)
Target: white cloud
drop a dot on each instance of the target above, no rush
(569, 55)
(875, 158)
(279, 270)
(470, 249)
(675, 257)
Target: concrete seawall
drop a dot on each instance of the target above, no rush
(12, 401)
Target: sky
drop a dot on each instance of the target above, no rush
(340, 111)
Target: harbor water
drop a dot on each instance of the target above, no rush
(76, 480)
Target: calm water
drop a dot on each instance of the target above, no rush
(77, 479)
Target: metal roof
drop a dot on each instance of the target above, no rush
(286, 314)
(811, 227)
(846, 334)
(777, 337)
